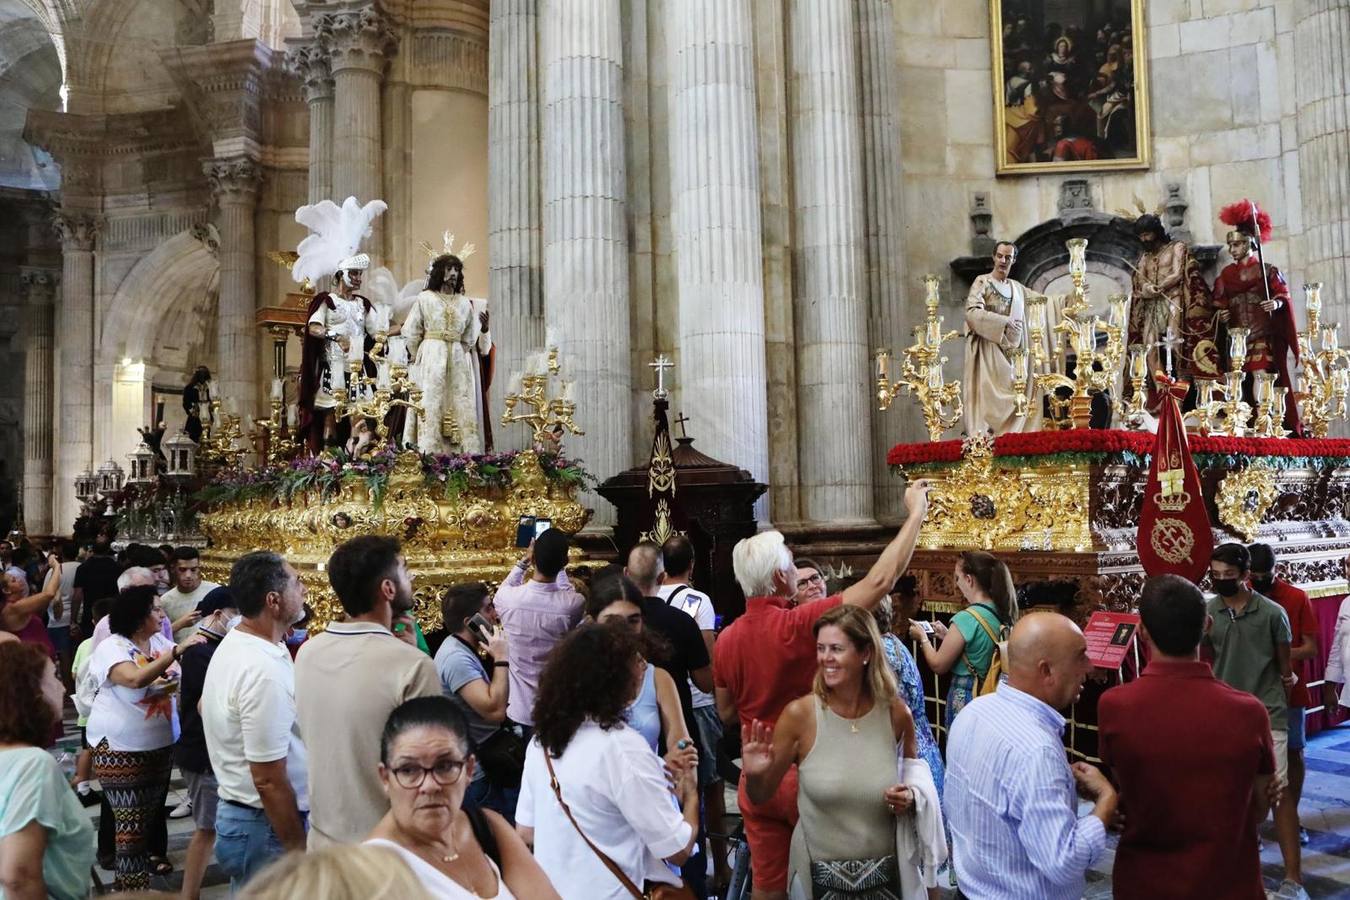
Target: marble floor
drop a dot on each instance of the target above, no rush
(1325, 812)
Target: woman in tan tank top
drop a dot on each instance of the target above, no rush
(844, 739)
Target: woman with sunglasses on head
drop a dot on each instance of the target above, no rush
(426, 764)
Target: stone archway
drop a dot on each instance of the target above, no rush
(176, 277)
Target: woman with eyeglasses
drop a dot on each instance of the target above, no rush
(458, 853)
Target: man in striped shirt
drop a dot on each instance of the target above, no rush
(1011, 794)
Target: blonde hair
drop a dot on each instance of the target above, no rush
(360, 872)
(860, 628)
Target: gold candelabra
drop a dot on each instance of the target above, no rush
(1325, 380)
(272, 434)
(548, 416)
(372, 398)
(221, 444)
(1095, 369)
(921, 372)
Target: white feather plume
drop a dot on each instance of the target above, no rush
(336, 232)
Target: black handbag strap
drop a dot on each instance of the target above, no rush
(675, 593)
(604, 858)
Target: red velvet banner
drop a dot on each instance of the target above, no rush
(1325, 608)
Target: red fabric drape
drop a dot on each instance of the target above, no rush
(1325, 608)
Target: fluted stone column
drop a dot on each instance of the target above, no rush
(312, 65)
(716, 224)
(883, 193)
(38, 398)
(515, 251)
(75, 321)
(584, 233)
(234, 184)
(1322, 41)
(359, 44)
(833, 412)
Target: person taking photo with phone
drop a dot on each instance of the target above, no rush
(472, 664)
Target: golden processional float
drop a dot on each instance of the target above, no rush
(456, 515)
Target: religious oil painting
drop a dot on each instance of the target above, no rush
(1070, 85)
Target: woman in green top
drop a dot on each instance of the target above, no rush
(967, 649)
(46, 840)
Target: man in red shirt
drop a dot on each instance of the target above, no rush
(1193, 758)
(1303, 626)
(767, 658)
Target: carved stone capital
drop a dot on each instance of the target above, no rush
(39, 285)
(77, 230)
(313, 65)
(361, 39)
(233, 180)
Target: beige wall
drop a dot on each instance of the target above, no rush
(449, 180)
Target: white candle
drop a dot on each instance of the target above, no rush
(550, 336)
(292, 415)
(277, 389)
(568, 391)
(384, 376)
(514, 386)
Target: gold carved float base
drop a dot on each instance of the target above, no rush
(446, 540)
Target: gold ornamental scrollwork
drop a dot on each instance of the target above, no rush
(446, 539)
(1244, 498)
(982, 505)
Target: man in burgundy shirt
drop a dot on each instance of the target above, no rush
(1193, 759)
(767, 658)
(1303, 626)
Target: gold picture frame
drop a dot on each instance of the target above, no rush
(1076, 98)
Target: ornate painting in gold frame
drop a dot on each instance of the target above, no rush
(1070, 86)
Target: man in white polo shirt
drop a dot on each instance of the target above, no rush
(248, 716)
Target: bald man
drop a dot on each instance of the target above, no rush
(1009, 784)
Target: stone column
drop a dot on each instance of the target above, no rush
(75, 325)
(515, 253)
(584, 234)
(833, 391)
(38, 401)
(359, 44)
(1322, 44)
(887, 281)
(717, 230)
(312, 65)
(234, 185)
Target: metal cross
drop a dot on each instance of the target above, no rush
(660, 365)
(680, 420)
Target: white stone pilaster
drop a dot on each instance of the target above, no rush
(234, 184)
(75, 325)
(717, 229)
(834, 416)
(311, 64)
(883, 193)
(38, 401)
(515, 251)
(1322, 61)
(359, 45)
(585, 241)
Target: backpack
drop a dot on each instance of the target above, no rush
(989, 683)
(86, 689)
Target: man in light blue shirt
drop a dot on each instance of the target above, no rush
(1011, 795)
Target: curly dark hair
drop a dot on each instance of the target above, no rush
(24, 717)
(130, 608)
(447, 271)
(615, 586)
(589, 675)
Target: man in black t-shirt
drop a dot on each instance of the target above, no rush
(689, 654)
(95, 580)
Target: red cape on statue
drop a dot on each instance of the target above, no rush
(1174, 531)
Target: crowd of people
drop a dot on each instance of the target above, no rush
(561, 735)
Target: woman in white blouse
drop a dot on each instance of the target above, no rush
(614, 785)
(132, 723)
(457, 853)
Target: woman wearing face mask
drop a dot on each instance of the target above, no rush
(46, 840)
(968, 645)
(457, 853)
(845, 738)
